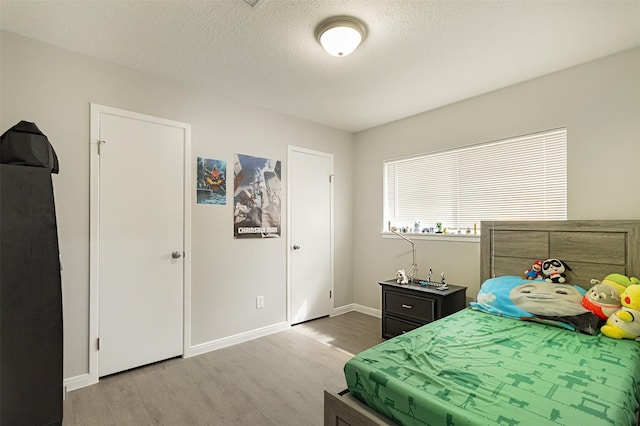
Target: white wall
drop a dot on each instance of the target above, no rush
(53, 87)
(598, 102)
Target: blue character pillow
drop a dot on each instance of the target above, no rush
(549, 303)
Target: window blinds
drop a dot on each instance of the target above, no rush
(522, 178)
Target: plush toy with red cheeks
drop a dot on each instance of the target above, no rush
(625, 322)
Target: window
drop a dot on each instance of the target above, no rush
(521, 178)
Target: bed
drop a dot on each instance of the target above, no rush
(473, 368)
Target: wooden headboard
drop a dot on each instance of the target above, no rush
(591, 248)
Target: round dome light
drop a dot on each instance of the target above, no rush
(340, 35)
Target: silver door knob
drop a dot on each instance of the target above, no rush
(296, 247)
(176, 255)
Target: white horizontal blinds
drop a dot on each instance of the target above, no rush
(421, 188)
(556, 171)
(390, 203)
(521, 178)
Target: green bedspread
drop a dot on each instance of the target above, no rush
(474, 368)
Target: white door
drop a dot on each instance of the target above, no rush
(310, 240)
(140, 227)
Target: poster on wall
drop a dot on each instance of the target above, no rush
(256, 197)
(212, 182)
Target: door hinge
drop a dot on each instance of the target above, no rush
(331, 178)
(330, 294)
(98, 343)
(99, 145)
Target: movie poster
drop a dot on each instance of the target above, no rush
(256, 197)
(212, 182)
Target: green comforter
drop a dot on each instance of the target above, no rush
(474, 368)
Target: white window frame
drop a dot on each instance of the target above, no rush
(518, 178)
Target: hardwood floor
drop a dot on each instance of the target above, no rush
(274, 380)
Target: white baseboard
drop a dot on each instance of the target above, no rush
(82, 380)
(213, 345)
(342, 310)
(77, 382)
(367, 310)
(357, 308)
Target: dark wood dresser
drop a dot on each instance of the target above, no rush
(408, 306)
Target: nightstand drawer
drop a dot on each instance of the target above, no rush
(396, 326)
(422, 309)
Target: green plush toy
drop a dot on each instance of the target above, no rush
(619, 281)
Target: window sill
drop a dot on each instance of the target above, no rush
(473, 238)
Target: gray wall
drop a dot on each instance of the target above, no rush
(53, 87)
(598, 102)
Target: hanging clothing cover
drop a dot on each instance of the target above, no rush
(24, 144)
(31, 376)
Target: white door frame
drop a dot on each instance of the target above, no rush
(94, 228)
(290, 149)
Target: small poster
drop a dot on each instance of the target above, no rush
(212, 182)
(256, 197)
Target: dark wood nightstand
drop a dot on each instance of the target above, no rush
(408, 306)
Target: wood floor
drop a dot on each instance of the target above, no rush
(274, 380)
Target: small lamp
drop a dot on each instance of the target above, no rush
(412, 272)
(340, 35)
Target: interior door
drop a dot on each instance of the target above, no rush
(140, 242)
(310, 249)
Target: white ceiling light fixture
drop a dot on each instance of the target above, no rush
(340, 35)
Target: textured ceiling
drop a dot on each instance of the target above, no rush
(418, 55)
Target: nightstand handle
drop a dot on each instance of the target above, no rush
(407, 306)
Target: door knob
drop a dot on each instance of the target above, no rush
(296, 247)
(176, 255)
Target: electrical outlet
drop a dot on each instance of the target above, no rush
(259, 302)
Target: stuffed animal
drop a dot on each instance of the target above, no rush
(625, 322)
(401, 277)
(554, 270)
(602, 299)
(619, 281)
(534, 272)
